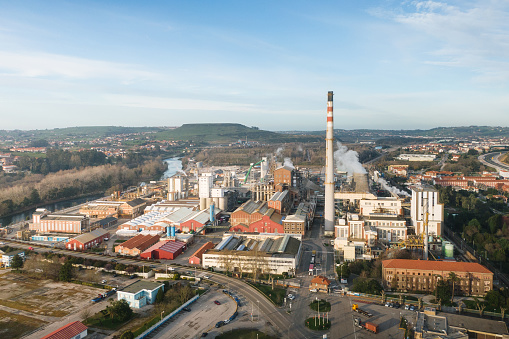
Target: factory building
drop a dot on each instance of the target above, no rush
(285, 176)
(197, 257)
(168, 250)
(177, 187)
(87, 240)
(425, 200)
(140, 293)
(280, 202)
(43, 221)
(135, 246)
(423, 275)
(262, 253)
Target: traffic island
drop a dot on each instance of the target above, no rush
(317, 323)
(320, 306)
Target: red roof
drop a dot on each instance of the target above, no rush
(68, 331)
(320, 280)
(199, 253)
(450, 266)
(168, 246)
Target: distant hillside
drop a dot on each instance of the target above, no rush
(226, 133)
(84, 132)
(438, 132)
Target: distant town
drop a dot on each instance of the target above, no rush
(162, 233)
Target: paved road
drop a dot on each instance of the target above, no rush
(491, 159)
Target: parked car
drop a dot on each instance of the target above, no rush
(226, 321)
(217, 302)
(103, 281)
(206, 276)
(387, 304)
(187, 309)
(407, 307)
(219, 324)
(204, 334)
(396, 305)
(412, 308)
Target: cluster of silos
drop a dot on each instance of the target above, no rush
(262, 192)
(447, 249)
(217, 197)
(177, 187)
(170, 231)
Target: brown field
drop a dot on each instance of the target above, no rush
(43, 297)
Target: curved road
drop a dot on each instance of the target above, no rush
(491, 159)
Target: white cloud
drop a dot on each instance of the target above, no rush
(39, 64)
(471, 35)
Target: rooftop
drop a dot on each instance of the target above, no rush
(68, 331)
(449, 266)
(141, 285)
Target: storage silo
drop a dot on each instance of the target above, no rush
(203, 203)
(449, 250)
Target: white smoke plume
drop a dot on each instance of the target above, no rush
(299, 148)
(288, 163)
(385, 185)
(348, 160)
(279, 150)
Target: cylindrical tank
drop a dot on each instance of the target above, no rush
(203, 203)
(172, 233)
(444, 243)
(216, 201)
(168, 232)
(449, 250)
(209, 202)
(430, 238)
(222, 204)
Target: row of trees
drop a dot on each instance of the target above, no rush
(71, 183)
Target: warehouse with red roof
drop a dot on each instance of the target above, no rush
(168, 249)
(75, 330)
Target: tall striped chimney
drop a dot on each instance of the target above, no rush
(329, 212)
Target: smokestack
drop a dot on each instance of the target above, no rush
(329, 212)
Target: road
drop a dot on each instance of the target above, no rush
(491, 159)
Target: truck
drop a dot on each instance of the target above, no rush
(366, 325)
(356, 308)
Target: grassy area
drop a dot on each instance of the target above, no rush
(277, 294)
(102, 320)
(31, 308)
(321, 324)
(324, 305)
(16, 325)
(245, 334)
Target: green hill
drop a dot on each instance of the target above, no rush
(226, 133)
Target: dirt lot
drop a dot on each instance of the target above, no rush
(27, 303)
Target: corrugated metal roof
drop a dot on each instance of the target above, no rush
(87, 237)
(180, 215)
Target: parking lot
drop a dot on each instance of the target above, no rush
(202, 318)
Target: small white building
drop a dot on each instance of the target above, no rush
(140, 293)
(7, 257)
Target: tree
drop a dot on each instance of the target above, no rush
(119, 267)
(66, 272)
(127, 335)
(454, 279)
(17, 262)
(119, 310)
(85, 314)
(442, 291)
(159, 296)
(185, 294)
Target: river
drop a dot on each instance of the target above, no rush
(15, 218)
(174, 166)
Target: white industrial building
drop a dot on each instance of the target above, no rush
(425, 199)
(249, 252)
(416, 157)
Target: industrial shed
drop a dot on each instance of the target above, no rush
(87, 240)
(164, 250)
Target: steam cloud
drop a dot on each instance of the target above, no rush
(288, 163)
(299, 148)
(385, 185)
(348, 160)
(279, 150)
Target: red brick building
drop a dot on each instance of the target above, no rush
(423, 275)
(320, 284)
(138, 244)
(196, 258)
(168, 250)
(284, 176)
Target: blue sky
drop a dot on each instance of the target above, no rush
(391, 64)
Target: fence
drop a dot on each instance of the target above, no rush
(168, 317)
